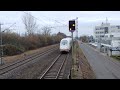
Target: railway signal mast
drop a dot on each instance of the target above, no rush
(76, 27)
(72, 29)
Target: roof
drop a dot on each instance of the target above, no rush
(68, 39)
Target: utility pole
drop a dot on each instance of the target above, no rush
(72, 45)
(76, 27)
(1, 47)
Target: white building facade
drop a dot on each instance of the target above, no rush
(100, 31)
(108, 34)
(106, 30)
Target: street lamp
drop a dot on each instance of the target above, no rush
(1, 61)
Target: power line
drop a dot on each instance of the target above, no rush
(49, 19)
(10, 26)
(33, 16)
(55, 20)
(46, 17)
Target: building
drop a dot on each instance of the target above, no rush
(108, 37)
(90, 39)
(106, 30)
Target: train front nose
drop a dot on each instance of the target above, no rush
(64, 48)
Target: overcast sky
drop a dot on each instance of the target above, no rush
(87, 20)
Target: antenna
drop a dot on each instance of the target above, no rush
(106, 20)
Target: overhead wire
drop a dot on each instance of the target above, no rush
(55, 20)
(49, 19)
(34, 17)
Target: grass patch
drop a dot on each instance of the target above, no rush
(116, 57)
(76, 73)
(9, 59)
(81, 69)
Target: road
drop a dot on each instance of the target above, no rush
(103, 66)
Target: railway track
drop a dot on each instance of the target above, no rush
(54, 71)
(12, 66)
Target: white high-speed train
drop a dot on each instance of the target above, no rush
(65, 45)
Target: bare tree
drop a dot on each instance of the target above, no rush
(46, 31)
(84, 38)
(30, 23)
(46, 34)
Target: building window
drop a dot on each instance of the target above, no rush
(118, 27)
(106, 30)
(111, 35)
(106, 36)
(97, 28)
(112, 26)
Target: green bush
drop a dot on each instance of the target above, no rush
(10, 50)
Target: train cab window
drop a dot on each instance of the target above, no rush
(64, 42)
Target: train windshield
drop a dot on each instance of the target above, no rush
(64, 42)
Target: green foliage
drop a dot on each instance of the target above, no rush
(116, 57)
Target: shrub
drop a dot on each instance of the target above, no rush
(16, 44)
(11, 50)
